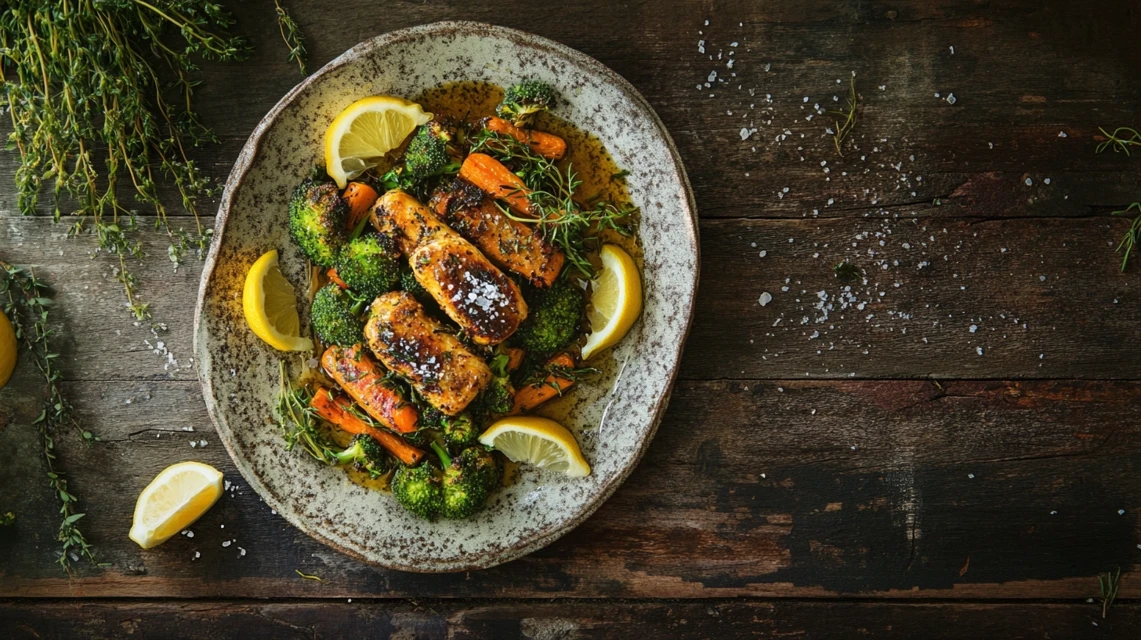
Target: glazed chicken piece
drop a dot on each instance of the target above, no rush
(510, 244)
(402, 218)
(419, 348)
(486, 304)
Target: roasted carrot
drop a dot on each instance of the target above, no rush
(496, 180)
(514, 357)
(332, 273)
(363, 379)
(533, 395)
(360, 197)
(545, 144)
(335, 410)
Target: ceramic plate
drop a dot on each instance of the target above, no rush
(614, 416)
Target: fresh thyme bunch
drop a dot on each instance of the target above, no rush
(26, 302)
(100, 90)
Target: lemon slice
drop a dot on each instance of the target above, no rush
(367, 130)
(173, 501)
(270, 306)
(616, 301)
(8, 349)
(538, 441)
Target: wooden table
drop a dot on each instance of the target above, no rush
(953, 451)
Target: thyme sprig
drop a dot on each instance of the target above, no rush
(100, 90)
(843, 129)
(27, 301)
(567, 220)
(291, 34)
(1120, 140)
(1110, 583)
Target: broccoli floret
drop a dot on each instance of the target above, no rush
(525, 99)
(370, 265)
(317, 215)
(498, 397)
(456, 430)
(459, 430)
(465, 486)
(335, 317)
(427, 153)
(365, 454)
(7, 519)
(419, 490)
(484, 465)
(409, 283)
(552, 320)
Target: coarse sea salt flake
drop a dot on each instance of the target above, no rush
(766, 298)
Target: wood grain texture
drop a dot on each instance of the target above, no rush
(1045, 296)
(782, 488)
(1004, 479)
(561, 620)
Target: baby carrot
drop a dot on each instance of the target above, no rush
(496, 180)
(535, 394)
(334, 410)
(545, 144)
(360, 198)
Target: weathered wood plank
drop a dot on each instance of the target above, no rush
(945, 299)
(1045, 295)
(784, 488)
(1019, 81)
(430, 620)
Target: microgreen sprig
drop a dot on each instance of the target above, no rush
(1120, 140)
(1129, 240)
(846, 271)
(1110, 583)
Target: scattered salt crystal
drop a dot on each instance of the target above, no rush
(1029, 182)
(745, 133)
(765, 253)
(971, 476)
(225, 543)
(1053, 513)
(974, 328)
(952, 50)
(1121, 512)
(1062, 134)
(979, 350)
(951, 99)
(1047, 181)
(766, 298)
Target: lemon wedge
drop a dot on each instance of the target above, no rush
(616, 301)
(270, 306)
(8, 349)
(367, 130)
(178, 496)
(538, 441)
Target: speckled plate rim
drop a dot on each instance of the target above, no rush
(237, 175)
